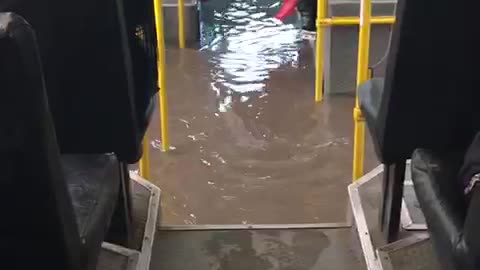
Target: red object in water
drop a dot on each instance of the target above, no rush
(287, 9)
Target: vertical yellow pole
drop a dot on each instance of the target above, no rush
(321, 15)
(145, 161)
(362, 75)
(162, 95)
(181, 23)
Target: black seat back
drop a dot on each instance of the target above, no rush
(37, 225)
(430, 92)
(140, 24)
(100, 71)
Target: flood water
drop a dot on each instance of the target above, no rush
(248, 143)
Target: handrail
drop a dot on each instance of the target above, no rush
(144, 163)
(324, 21)
(365, 20)
(356, 20)
(321, 20)
(181, 23)
(362, 76)
(162, 94)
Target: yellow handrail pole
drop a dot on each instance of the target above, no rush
(362, 75)
(181, 23)
(162, 95)
(145, 161)
(321, 15)
(356, 20)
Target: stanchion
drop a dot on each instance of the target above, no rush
(162, 95)
(362, 75)
(181, 23)
(321, 14)
(144, 164)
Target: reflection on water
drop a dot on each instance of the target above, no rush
(247, 45)
(250, 146)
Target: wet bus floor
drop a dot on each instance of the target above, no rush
(249, 145)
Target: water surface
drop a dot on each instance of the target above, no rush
(248, 143)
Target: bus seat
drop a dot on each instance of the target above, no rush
(445, 209)
(142, 38)
(57, 208)
(100, 71)
(426, 99)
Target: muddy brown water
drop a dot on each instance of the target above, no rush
(248, 143)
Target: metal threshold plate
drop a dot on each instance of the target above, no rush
(145, 202)
(412, 252)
